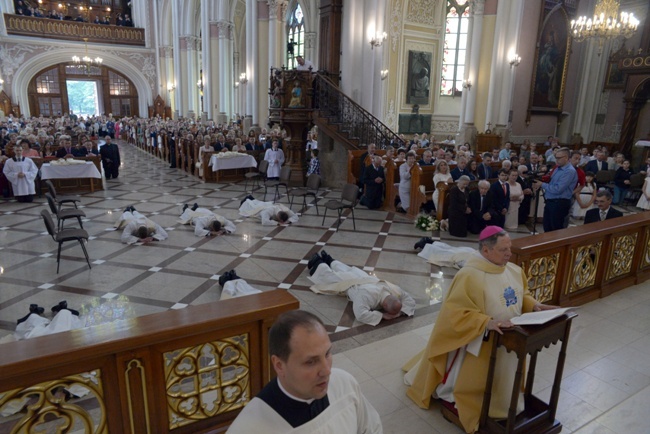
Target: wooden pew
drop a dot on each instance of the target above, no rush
(136, 369)
(391, 171)
(421, 175)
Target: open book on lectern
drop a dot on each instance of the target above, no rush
(541, 317)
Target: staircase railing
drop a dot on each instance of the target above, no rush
(352, 119)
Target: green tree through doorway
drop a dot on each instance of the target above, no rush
(82, 97)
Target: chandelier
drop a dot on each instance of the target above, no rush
(606, 24)
(86, 63)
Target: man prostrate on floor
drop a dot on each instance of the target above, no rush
(138, 228)
(269, 213)
(205, 222)
(372, 299)
(308, 396)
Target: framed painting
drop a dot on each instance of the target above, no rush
(418, 78)
(614, 78)
(551, 61)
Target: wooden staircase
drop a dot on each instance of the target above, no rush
(344, 120)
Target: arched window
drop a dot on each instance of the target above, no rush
(295, 36)
(453, 59)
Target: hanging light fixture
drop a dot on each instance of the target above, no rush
(86, 63)
(606, 24)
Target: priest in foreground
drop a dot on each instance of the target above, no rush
(308, 395)
(485, 294)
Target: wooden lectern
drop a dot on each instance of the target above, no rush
(538, 417)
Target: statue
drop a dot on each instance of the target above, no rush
(296, 96)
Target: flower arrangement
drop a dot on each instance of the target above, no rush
(427, 223)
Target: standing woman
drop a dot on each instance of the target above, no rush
(458, 207)
(644, 200)
(516, 196)
(405, 170)
(441, 175)
(584, 198)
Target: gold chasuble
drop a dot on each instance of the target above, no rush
(481, 291)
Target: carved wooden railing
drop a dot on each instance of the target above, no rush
(337, 109)
(182, 371)
(73, 30)
(576, 265)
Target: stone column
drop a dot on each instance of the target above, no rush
(310, 48)
(252, 70)
(501, 77)
(224, 34)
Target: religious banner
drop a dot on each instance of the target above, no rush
(418, 78)
(551, 58)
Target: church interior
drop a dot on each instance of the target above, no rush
(482, 72)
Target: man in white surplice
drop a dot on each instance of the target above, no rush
(308, 396)
(269, 213)
(21, 173)
(206, 222)
(275, 157)
(372, 299)
(139, 228)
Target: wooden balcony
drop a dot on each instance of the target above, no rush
(73, 30)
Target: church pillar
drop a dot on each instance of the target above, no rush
(263, 67)
(251, 65)
(468, 104)
(189, 88)
(274, 8)
(167, 68)
(178, 76)
(224, 31)
(501, 74)
(310, 48)
(210, 83)
(592, 70)
(237, 95)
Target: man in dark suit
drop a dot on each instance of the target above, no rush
(501, 198)
(484, 169)
(600, 163)
(534, 165)
(461, 169)
(373, 180)
(604, 211)
(65, 146)
(427, 159)
(221, 143)
(480, 202)
(110, 154)
(365, 161)
(524, 207)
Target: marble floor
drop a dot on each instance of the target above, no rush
(606, 379)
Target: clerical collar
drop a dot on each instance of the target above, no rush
(306, 401)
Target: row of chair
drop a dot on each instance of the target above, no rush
(348, 199)
(58, 232)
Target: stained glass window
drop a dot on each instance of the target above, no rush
(455, 48)
(295, 37)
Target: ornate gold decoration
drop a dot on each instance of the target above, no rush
(136, 364)
(621, 254)
(541, 274)
(585, 265)
(207, 380)
(646, 254)
(59, 405)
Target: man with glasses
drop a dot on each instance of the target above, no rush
(605, 211)
(558, 191)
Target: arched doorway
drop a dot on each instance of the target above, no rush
(48, 90)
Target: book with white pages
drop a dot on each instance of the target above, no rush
(541, 317)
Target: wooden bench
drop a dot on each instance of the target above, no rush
(143, 372)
